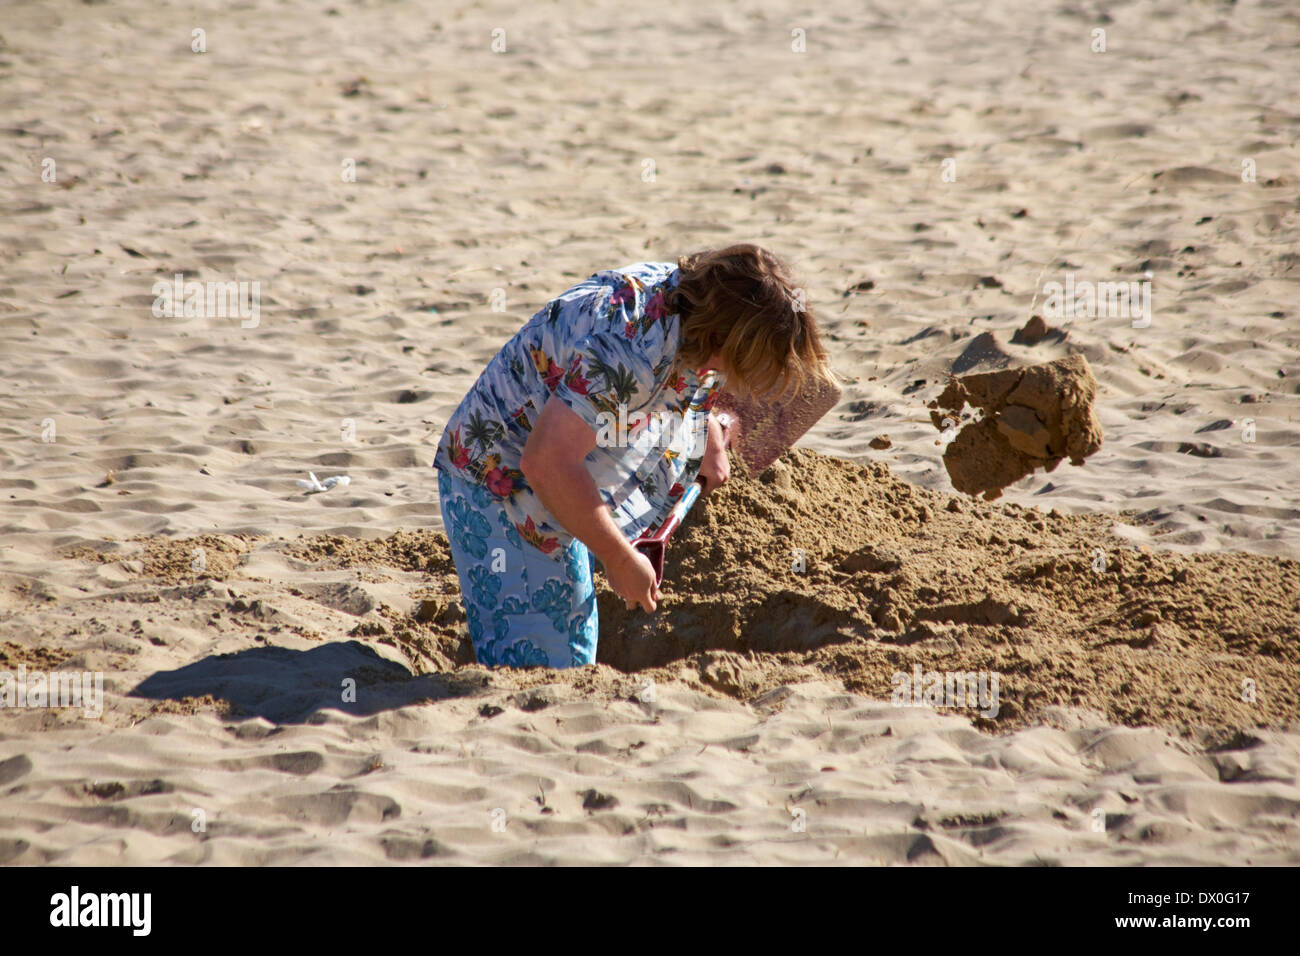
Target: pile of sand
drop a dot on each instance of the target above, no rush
(1032, 418)
(895, 576)
(821, 568)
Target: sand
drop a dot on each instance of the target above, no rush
(150, 529)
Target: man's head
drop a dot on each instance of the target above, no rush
(742, 304)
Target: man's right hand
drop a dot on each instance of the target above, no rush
(632, 577)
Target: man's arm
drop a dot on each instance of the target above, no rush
(715, 469)
(553, 463)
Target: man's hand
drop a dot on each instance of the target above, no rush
(632, 577)
(715, 469)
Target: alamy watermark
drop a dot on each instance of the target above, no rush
(130, 910)
(974, 689)
(84, 689)
(1105, 300)
(180, 299)
(617, 431)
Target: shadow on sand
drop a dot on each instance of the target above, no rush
(286, 686)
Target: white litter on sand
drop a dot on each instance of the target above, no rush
(316, 486)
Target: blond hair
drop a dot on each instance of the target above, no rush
(743, 302)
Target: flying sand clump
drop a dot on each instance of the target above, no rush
(1033, 417)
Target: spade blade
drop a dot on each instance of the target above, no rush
(764, 428)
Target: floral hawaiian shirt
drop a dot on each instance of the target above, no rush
(607, 348)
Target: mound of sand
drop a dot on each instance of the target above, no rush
(893, 576)
(1032, 418)
(821, 568)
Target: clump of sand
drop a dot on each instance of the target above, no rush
(1032, 418)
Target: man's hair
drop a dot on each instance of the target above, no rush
(743, 302)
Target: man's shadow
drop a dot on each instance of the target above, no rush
(286, 686)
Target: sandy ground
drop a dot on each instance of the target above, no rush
(603, 136)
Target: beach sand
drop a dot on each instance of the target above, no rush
(150, 528)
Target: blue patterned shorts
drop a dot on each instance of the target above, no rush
(525, 608)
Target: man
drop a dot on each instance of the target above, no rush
(587, 426)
